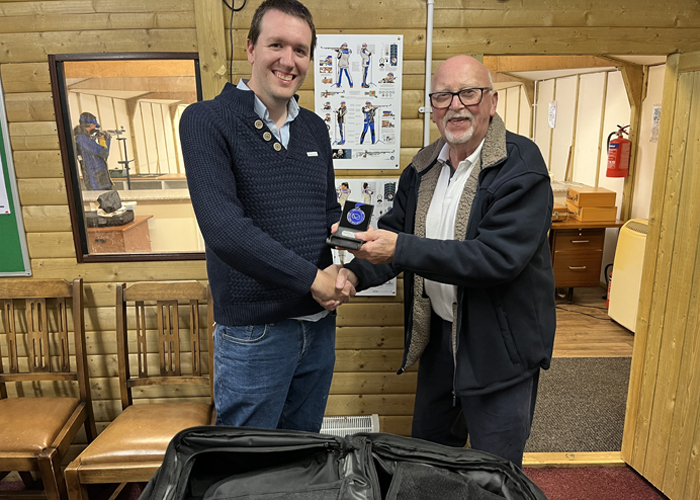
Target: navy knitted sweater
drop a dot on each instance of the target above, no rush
(264, 211)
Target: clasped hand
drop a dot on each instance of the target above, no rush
(331, 291)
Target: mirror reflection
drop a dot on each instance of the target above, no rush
(123, 121)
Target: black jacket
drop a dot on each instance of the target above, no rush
(500, 261)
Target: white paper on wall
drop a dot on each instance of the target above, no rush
(655, 121)
(379, 193)
(552, 115)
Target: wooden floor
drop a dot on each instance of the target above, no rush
(584, 328)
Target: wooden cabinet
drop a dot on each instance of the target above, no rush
(133, 237)
(577, 252)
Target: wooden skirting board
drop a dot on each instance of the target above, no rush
(574, 459)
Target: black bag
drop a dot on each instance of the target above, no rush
(217, 463)
(94, 220)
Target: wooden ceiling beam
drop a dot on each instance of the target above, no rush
(510, 64)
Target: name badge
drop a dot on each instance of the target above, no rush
(311, 153)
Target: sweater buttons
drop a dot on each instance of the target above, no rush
(277, 146)
(258, 124)
(267, 136)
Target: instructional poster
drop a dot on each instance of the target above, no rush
(379, 193)
(357, 82)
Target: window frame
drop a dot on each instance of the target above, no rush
(70, 167)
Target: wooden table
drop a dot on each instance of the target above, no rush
(133, 237)
(577, 252)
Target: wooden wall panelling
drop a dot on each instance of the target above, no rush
(49, 245)
(38, 164)
(97, 21)
(561, 40)
(113, 271)
(212, 46)
(42, 191)
(25, 77)
(34, 47)
(33, 136)
(683, 424)
(46, 218)
(52, 7)
(413, 42)
(671, 325)
(627, 13)
(398, 14)
(34, 106)
(668, 221)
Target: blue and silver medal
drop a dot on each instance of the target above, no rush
(356, 216)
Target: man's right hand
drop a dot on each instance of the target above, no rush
(325, 291)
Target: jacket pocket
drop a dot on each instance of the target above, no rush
(507, 336)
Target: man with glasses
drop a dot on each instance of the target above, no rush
(469, 231)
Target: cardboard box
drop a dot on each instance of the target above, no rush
(588, 196)
(591, 214)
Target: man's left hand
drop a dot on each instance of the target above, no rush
(379, 246)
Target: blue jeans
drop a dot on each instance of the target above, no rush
(274, 376)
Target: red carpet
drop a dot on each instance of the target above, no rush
(600, 483)
(614, 483)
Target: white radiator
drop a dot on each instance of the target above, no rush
(340, 426)
(627, 273)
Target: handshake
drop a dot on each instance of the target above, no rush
(335, 285)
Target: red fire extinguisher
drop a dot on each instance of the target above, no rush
(618, 153)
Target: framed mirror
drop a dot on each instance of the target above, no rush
(118, 121)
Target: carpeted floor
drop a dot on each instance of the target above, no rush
(580, 405)
(615, 483)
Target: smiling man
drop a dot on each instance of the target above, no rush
(260, 174)
(469, 231)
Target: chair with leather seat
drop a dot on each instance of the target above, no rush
(166, 323)
(44, 390)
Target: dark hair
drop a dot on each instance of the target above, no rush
(85, 120)
(289, 7)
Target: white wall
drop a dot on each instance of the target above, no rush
(646, 152)
(514, 109)
(545, 94)
(563, 132)
(590, 112)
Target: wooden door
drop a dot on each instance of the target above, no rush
(662, 428)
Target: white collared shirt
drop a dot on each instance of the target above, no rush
(440, 221)
(261, 110)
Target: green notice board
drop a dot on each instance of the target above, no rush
(14, 260)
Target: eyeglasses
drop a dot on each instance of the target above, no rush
(468, 97)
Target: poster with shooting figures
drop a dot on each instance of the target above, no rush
(357, 91)
(380, 194)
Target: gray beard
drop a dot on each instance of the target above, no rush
(461, 138)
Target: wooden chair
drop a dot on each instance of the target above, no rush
(35, 432)
(132, 446)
